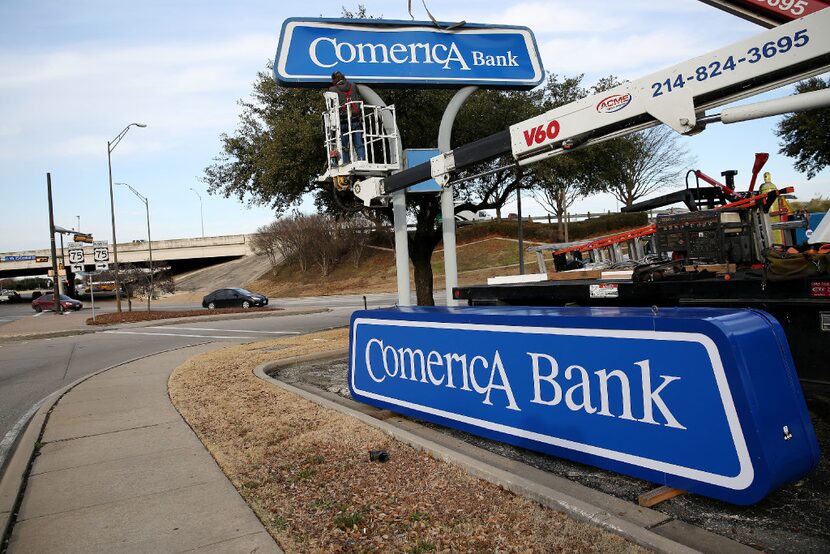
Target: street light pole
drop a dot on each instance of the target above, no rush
(111, 144)
(149, 238)
(61, 267)
(201, 210)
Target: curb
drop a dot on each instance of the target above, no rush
(50, 335)
(643, 526)
(158, 322)
(217, 317)
(24, 448)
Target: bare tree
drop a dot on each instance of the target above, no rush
(559, 182)
(328, 245)
(290, 239)
(641, 164)
(356, 232)
(264, 242)
(319, 240)
(137, 283)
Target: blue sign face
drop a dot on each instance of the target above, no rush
(406, 53)
(612, 391)
(417, 156)
(18, 258)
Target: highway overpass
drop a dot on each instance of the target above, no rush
(180, 254)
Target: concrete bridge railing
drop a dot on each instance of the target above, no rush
(132, 252)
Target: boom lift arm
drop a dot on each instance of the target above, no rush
(677, 96)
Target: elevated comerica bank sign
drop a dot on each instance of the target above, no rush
(406, 53)
(699, 399)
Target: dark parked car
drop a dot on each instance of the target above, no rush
(47, 302)
(233, 298)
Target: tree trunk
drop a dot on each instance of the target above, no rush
(420, 252)
(423, 278)
(422, 244)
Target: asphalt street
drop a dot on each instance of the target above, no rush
(30, 370)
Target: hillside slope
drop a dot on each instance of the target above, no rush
(235, 273)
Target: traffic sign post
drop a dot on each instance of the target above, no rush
(76, 256)
(101, 255)
(92, 293)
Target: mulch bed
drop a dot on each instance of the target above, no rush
(306, 473)
(136, 316)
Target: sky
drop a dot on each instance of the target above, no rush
(73, 74)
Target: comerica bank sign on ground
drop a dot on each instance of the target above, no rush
(399, 52)
(679, 397)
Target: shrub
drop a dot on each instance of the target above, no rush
(314, 240)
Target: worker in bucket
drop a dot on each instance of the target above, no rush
(351, 121)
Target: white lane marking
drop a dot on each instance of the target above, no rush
(38, 314)
(224, 330)
(177, 335)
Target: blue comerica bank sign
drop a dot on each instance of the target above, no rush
(404, 52)
(699, 399)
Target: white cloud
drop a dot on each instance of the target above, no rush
(57, 103)
(94, 59)
(621, 56)
(557, 18)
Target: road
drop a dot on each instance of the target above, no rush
(30, 370)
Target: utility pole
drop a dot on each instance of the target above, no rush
(149, 238)
(111, 144)
(55, 286)
(201, 211)
(150, 250)
(520, 229)
(114, 240)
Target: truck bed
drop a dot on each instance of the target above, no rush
(802, 306)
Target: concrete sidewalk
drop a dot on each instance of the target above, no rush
(120, 471)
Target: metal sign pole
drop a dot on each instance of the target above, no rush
(398, 207)
(447, 205)
(401, 247)
(61, 267)
(92, 294)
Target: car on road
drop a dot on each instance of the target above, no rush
(47, 302)
(8, 295)
(233, 298)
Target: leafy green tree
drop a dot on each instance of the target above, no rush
(806, 136)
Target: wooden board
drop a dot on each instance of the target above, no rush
(660, 494)
(575, 274)
(715, 268)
